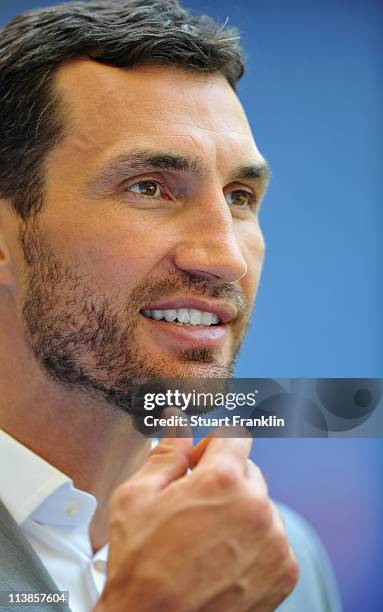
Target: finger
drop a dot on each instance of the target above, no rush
(181, 428)
(167, 462)
(231, 450)
(255, 476)
(280, 520)
(278, 517)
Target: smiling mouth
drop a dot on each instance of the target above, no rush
(184, 316)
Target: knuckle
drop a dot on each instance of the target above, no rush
(290, 578)
(262, 511)
(294, 571)
(225, 476)
(280, 542)
(123, 495)
(255, 471)
(165, 452)
(222, 477)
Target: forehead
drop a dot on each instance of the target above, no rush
(110, 108)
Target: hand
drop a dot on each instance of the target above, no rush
(207, 542)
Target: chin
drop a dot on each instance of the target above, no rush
(198, 363)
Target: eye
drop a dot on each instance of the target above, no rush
(240, 198)
(146, 188)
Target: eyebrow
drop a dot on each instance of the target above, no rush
(119, 166)
(259, 172)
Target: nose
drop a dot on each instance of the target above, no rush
(209, 247)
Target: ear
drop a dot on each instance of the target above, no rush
(7, 276)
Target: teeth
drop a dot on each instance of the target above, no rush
(183, 316)
(157, 314)
(195, 317)
(170, 315)
(207, 318)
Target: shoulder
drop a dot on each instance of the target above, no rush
(316, 589)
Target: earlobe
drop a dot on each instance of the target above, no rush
(4, 254)
(6, 267)
(4, 262)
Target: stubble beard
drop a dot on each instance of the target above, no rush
(88, 342)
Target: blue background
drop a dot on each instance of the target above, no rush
(313, 93)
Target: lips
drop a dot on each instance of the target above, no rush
(189, 322)
(177, 336)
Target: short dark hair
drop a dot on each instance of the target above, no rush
(120, 33)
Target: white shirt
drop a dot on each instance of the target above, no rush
(55, 517)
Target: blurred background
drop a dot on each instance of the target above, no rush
(313, 93)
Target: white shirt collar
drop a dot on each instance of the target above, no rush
(39, 490)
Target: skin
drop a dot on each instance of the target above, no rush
(101, 247)
(238, 557)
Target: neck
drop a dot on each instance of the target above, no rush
(91, 443)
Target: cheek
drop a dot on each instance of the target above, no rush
(117, 250)
(122, 261)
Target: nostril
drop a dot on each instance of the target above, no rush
(204, 274)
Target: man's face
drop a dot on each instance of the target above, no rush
(148, 251)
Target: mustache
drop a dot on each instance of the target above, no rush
(154, 288)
